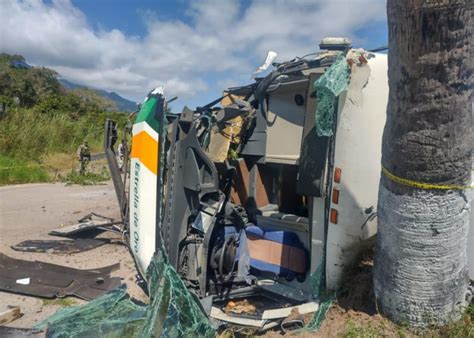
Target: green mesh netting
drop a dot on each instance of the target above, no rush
(111, 315)
(172, 312)
(328, 88)
(325, 300)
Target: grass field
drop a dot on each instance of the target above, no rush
(38, 147)
(14, 170)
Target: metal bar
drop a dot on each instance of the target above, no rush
(110, 138)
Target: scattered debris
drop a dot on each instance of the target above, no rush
(10, 315)
(302, 309)
(220, 315)
(172, 311)
(294, 321)
(87, 223)
(23, 281)
(50, 280)
(240, 307)
(59, 246)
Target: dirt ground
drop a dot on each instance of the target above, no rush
(30, 211)
(353, 313)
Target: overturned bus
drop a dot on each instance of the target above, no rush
(267, 191)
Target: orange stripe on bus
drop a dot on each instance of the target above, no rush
(145, 148)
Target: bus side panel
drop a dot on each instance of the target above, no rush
(144, 182)
(360, 126)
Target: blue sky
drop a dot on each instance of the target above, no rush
(195, 48)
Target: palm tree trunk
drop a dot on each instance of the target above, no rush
(420, 273)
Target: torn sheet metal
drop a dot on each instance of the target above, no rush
(79, 227)
(59, 246)
(89, 222)
(50, 280)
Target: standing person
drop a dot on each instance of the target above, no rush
(121, 152)
(84, 156)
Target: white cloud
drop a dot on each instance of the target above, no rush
(219, 39)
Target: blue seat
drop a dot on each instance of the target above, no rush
(276, 251)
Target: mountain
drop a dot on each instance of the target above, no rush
(31, 85)
(19, 63)
(122, 103)
(69, 85)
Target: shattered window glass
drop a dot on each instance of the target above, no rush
(173, 311)
(328, 87)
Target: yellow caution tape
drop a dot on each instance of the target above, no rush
(421, 185)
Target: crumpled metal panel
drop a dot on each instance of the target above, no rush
(51, 280)
(59, 246)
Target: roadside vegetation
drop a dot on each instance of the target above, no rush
(89, 178)
(42, 123)
(14, 170)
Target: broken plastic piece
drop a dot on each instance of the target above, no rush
(287, 311)
(23, 281)
(158, 90)
(271, 56)
(11, 314)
